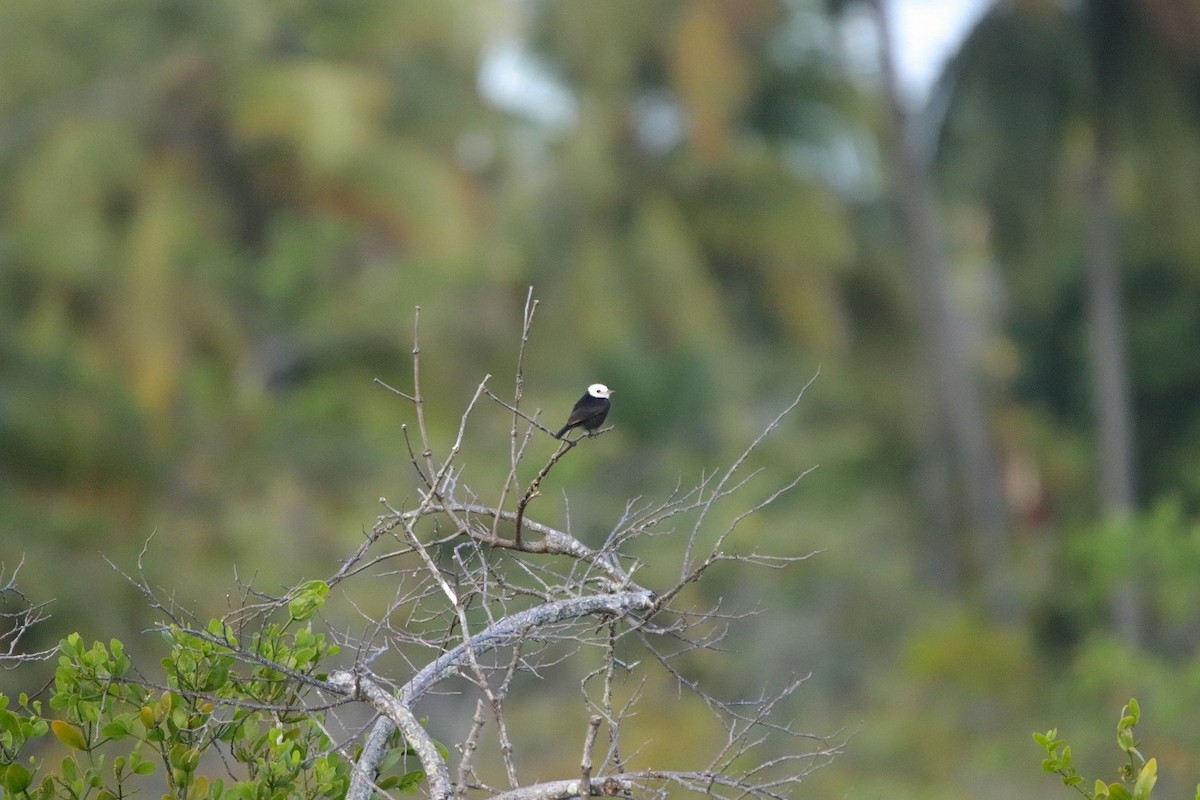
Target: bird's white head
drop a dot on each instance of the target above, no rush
(599, 390)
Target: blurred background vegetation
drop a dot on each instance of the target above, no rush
(216, 218)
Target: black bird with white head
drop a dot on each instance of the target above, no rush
(590, 411)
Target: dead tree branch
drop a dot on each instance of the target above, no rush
(15, 623)
(466, 599)
(507, 631)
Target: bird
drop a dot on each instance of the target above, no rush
(590, 411)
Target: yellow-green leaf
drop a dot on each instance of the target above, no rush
(147, 717)
(199, 788)
(69, 734)
(1146, 780)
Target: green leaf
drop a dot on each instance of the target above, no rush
(17, 778)
(70, 645)
(10, 723)
(308, 600)
(69, 734)
(69, 771)
(120, 727)
(217, 677)
(184, 759)
(1118, 792)
(144, 767)
(409, 781)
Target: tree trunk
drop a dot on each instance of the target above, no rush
(960, 407)
(1110, 370)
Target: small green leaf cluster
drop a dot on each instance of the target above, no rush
(244, 703)
(1138, 775)
(308, 600)
(393, 766)
(16, 729)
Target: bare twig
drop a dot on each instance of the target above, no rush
(517, 451)
(589, 742)
(535, 485)
(517, 412)
(396, 391)
(719, 490)
(18, 622)
(466, 767)
(418, 399)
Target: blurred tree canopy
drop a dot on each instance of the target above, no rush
(217, 217)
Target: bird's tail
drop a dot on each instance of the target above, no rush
(565, 428)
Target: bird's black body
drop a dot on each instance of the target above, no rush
(589, 413)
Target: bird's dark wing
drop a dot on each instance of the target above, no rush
(587, 409)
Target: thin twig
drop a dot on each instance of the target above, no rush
(589, 742)
(466, 767)
(535, 485)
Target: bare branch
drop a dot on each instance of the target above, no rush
(553, 542)
(396, 391)
(535, 485)
(517, 412)
(562, 790)
(512, 628)
(719, 490)
(506, 632)
(16, 623)
(362, 688)
(466, 767)
(589, 742)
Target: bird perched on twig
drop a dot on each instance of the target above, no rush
(590, 411)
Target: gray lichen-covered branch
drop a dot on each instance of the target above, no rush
(505, 632)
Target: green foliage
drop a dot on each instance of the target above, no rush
(1138, 775)
(119, 728)
(308, 600)
(1158, 551)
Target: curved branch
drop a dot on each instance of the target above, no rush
(506, 631)
(395, 711)
(553, 542)
(512, 628)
